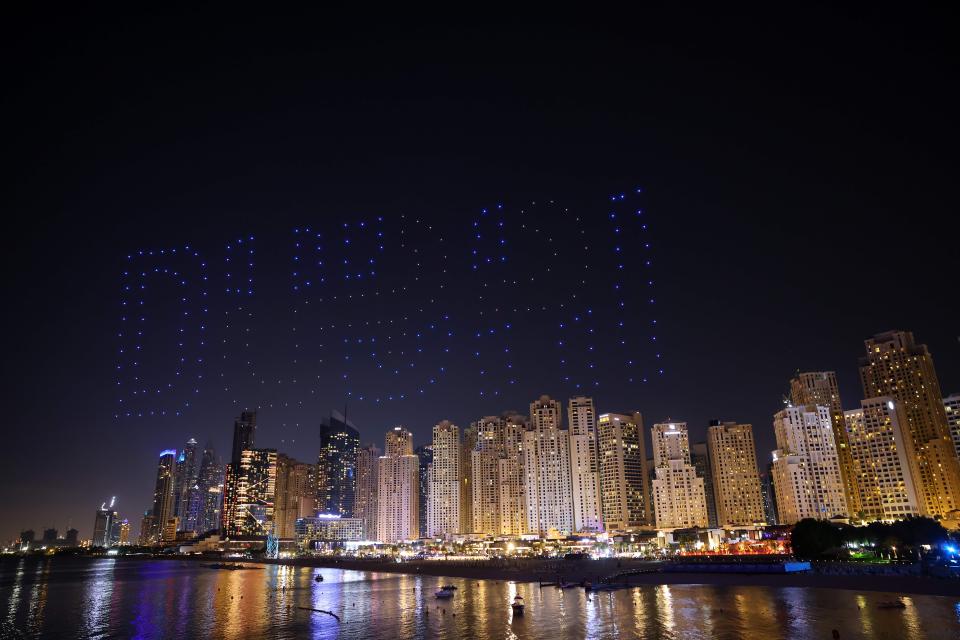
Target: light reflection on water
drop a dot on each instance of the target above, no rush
(99, 598)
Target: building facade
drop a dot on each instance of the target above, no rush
(584, 465)
(951, 407)
(365, 502)
(736, 480)
(296, 495)
(896, 366)
(546, 469)
(700, 459)
(251, 494)
(398, 490)
(337, 466)
(163, 494)
(806, 465)
(443, 506)
(883, 460)
(678, 492)
(623, 471)
(424, 455)
(821, 388)
(497, 483)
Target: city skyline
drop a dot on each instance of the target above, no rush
(203, 141)
(730, 478)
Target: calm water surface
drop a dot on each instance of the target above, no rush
(118, 598)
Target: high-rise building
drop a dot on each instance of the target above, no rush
(584, 465)
(124, 538)
(296, 496)
(951, 406)
(72, 539)
(337, 466)
(883, 460)
(736, 480)
(821, 388)
(623, 471)
(897, 367)
(206, 496)
(468, 443)
(497, 481)
(806, 468)
(147, 528)
(365, 502)
(398, 489)
(251, 494)
(769, 496)
(700, 459)
(678, 491)
(163, 493)
(244, 432)
(105, 525)
(185, 479)
(443, 506)
(546, 469)
(424, 455)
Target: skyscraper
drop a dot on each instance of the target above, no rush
(883, 460)
(365, 502)
(897, 367)
(185, 479)
(623, 471)
(678, 492)
(337, 466)
(163, 493)
(806, 468)
(296, 495)
(105, 523)
(468, 443)
(700, 459)
(244, 432)
(584, 465)
(206, 496)
(769, 495)
(497, 486)
(821, 388)
(424, 455)
(951, 406)
(398, 489)
(443, 507)
(546, 469)
(736, 481)
(251, 494)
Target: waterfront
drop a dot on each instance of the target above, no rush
(120, 598)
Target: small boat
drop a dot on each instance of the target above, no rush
(517, 605)
(319, 578)
(444, 593)
(449, 587)
(892, 604)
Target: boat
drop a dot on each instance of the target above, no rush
(319, 578)
(444, 593)
(517, 605)
(449, 587)
(892, 604)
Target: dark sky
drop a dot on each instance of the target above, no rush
(798, 175)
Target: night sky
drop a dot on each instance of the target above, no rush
(671, 214)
